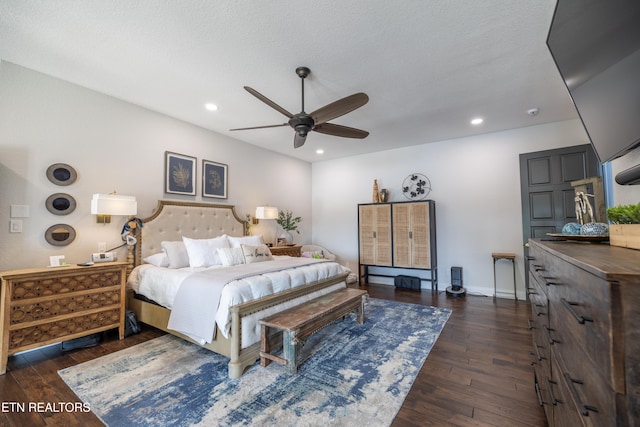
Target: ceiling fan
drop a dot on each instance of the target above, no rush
(303, 122)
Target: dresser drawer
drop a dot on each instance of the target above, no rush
(538, 267)
(541, 353)
(47, 308)
(539, 324)
(542, 381)
(586, 392)
(538, 298)
(30, 335)
(579, 305)
(63, 282)
(564, 410)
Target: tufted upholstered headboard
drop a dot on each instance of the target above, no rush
(173, 219)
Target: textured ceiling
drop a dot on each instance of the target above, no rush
(428, 67)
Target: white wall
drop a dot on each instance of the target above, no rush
(118, 146)
(475, 184)
(115, 145)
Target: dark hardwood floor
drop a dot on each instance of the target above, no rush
(477, 374)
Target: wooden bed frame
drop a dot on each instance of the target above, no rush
(172, 220)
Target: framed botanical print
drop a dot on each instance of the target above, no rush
(214, 179)
(180, 174)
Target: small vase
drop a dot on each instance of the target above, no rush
(376, 194)
(384, 195)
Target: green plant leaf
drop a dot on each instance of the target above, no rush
(288, 222)
(624, 214)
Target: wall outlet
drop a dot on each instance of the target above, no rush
(102, 247)
(15, 226)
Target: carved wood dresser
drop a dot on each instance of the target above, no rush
(294, 251)
(585, 301)
(41, 306)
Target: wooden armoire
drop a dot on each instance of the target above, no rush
(399, 235)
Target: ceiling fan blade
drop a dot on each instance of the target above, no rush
(267, 101)
(339, 130)
(299, 140)
(339, 108)
(262, 127)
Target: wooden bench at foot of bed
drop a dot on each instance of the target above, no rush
(298, 323)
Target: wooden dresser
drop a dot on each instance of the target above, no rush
(286, 250)
(41, 306)
(585, 301)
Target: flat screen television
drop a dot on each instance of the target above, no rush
(596, 47)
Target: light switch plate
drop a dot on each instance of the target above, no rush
(20, 211)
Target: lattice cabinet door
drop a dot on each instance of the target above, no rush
(375, 234)
(411, 235)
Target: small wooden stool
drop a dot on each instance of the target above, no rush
(511, 257)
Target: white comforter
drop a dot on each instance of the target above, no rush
(162, 285)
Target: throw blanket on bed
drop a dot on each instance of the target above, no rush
(196, 302)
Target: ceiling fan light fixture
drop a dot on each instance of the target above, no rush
(318, 120)
(302, 130)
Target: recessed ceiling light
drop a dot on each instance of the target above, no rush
(319, 151)
(211, 107)
(476, 121)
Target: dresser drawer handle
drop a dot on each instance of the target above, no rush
(569, 305)
(530, 258)
(539, 313)
(536, 347)
(531, 324)
(537, 267)
(540, 401)
(553, 398)
(584, 409)
(551, 340)
(531, 291)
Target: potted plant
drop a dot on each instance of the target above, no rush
(625, 226)
(289, 223)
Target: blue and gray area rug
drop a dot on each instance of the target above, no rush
(350, 375)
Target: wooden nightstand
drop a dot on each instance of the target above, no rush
(286, 250)
(42, 306)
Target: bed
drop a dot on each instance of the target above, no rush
(239, 339)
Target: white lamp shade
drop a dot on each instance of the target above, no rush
(266, 212)
(113, 204)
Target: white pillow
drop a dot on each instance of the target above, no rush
(231, 256)
(246, 240)
(177, 254)
(203, 252)
(256, 253)
(159, 260)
